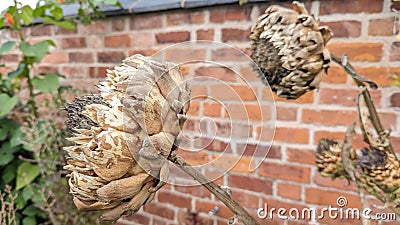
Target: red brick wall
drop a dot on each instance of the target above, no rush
(366, 30)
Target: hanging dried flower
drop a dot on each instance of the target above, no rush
(124, 135)
(289, 48)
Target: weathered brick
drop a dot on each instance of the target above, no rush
(212, 109)
(229, 162)
(198, 92)
(395, 99)
(206, 206)
(47, 69)
(337, 6)
(335, 135)
(286, 113)
(249, 112)
(194, 157)
(73, 42)
(395, 51)
(97, 27)
(250, 183)
(117, 41)
(285, 172)
(146, 52)
(194, 108)
(259, 150)
(229, 54)
(363, 51)
(246, 200)
(325, 197)
(196, 190)
(344, 97)
(346, 28)
(337, 183)
(172, 37)
(81, 57)
(174, 199)
(179, 18)
(383, 27)
(213, 144)
(184, 54)
(290, 191)
(329, 117)
(146, 21)
(217, 72)
(98, 71)
(138, 218)
(233, 34)
(10, 58)
(207, 35)
(41, 30)
(335, 75)
(223, 14)
(74, 71)
(292, 135)
(159, 210)
(62, 31)
(233, 92)
(301, 155)
(110, 56)
(118, 23)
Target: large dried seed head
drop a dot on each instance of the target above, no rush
(289, 48)
(124, 135)
(329, 160)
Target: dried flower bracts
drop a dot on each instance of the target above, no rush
(124, 135)
(289, 48)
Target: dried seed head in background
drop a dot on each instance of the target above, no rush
(289, 48)
(124, 135)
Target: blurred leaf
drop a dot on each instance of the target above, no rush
(18, 72)
(27, 14)
(69, 25)
(111, 2)
(20, 201)
(26, 173)
(50, 83)
(42, 48)
(1, 22)
(31, 210)
(38, 11)
(29, 220)
(7, 103)
(17, 135)
(27, 49)
(8, 173)
(7, 46)
(5, 157)
(57, 12)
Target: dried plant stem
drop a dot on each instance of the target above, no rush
(238, 210)
(359, 80)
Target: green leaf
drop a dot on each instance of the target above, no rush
(48, 84)
(27, 14)
(26, 173)
(27, 49)
(111, 2)
(18, 72)
(38, 11)
(57, 12)
(31, 210)
(7, 46)
(30, 220)
(20, 202)
(27, 193)
(16, 136)
(5, 157)
(42, 48)
(1, 22)
(66, 24)
(8, 173)
(7, 103)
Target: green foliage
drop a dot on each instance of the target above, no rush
(397, 80)
(33, 187)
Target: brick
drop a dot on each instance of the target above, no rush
(110, 56)
(232, 34)
(179, 18)
(97, 27)
(275, 203)
(174, 199)
(184, 55)
(346, 28)
(325, 197)
(142, 39)
(47, 69)
(74, 71)
(145, 21)
(292, 135)
(217, 72)
(232, 129)
(345, 97)
(258, 150)
(195, 157)
(285, 172)
(233, 92)
(62, 31)
(363, 51)
(250, 183)
(199, 91)
(290, 191)
(194, 108)
(337, 6)
(213, 145)
(146, 52)
(191, 124)
(212, 109)
(286, 113)
(395, 99)
(335, 135)
(81, 57)
(138, 218)
(159, 210)
(329, 117)
(207, 35)
(98, 71)
(254, 112)
(306, 98)
(159, 222)
(248, 74)
(95, 41)
(10, 58)
(197, 190)
(224, 14)
(395, 51)
(300, 155)
(42, 30)
(73, 42)
(388, 120)
(215, 175)
(205, 206)
(118, 23)
(337, 183)
(172, 37)
(117, 41)
(246, 200)
(383, 27)
(229, 54)
(335, 75)
(266, 132)
(380, 75)
(229, 162)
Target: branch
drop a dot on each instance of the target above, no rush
(238, 210)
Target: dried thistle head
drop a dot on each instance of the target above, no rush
(329, 159)
(289, 48)
(124, 135)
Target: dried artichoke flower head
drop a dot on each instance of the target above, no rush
(289, 48)
(124, 135)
